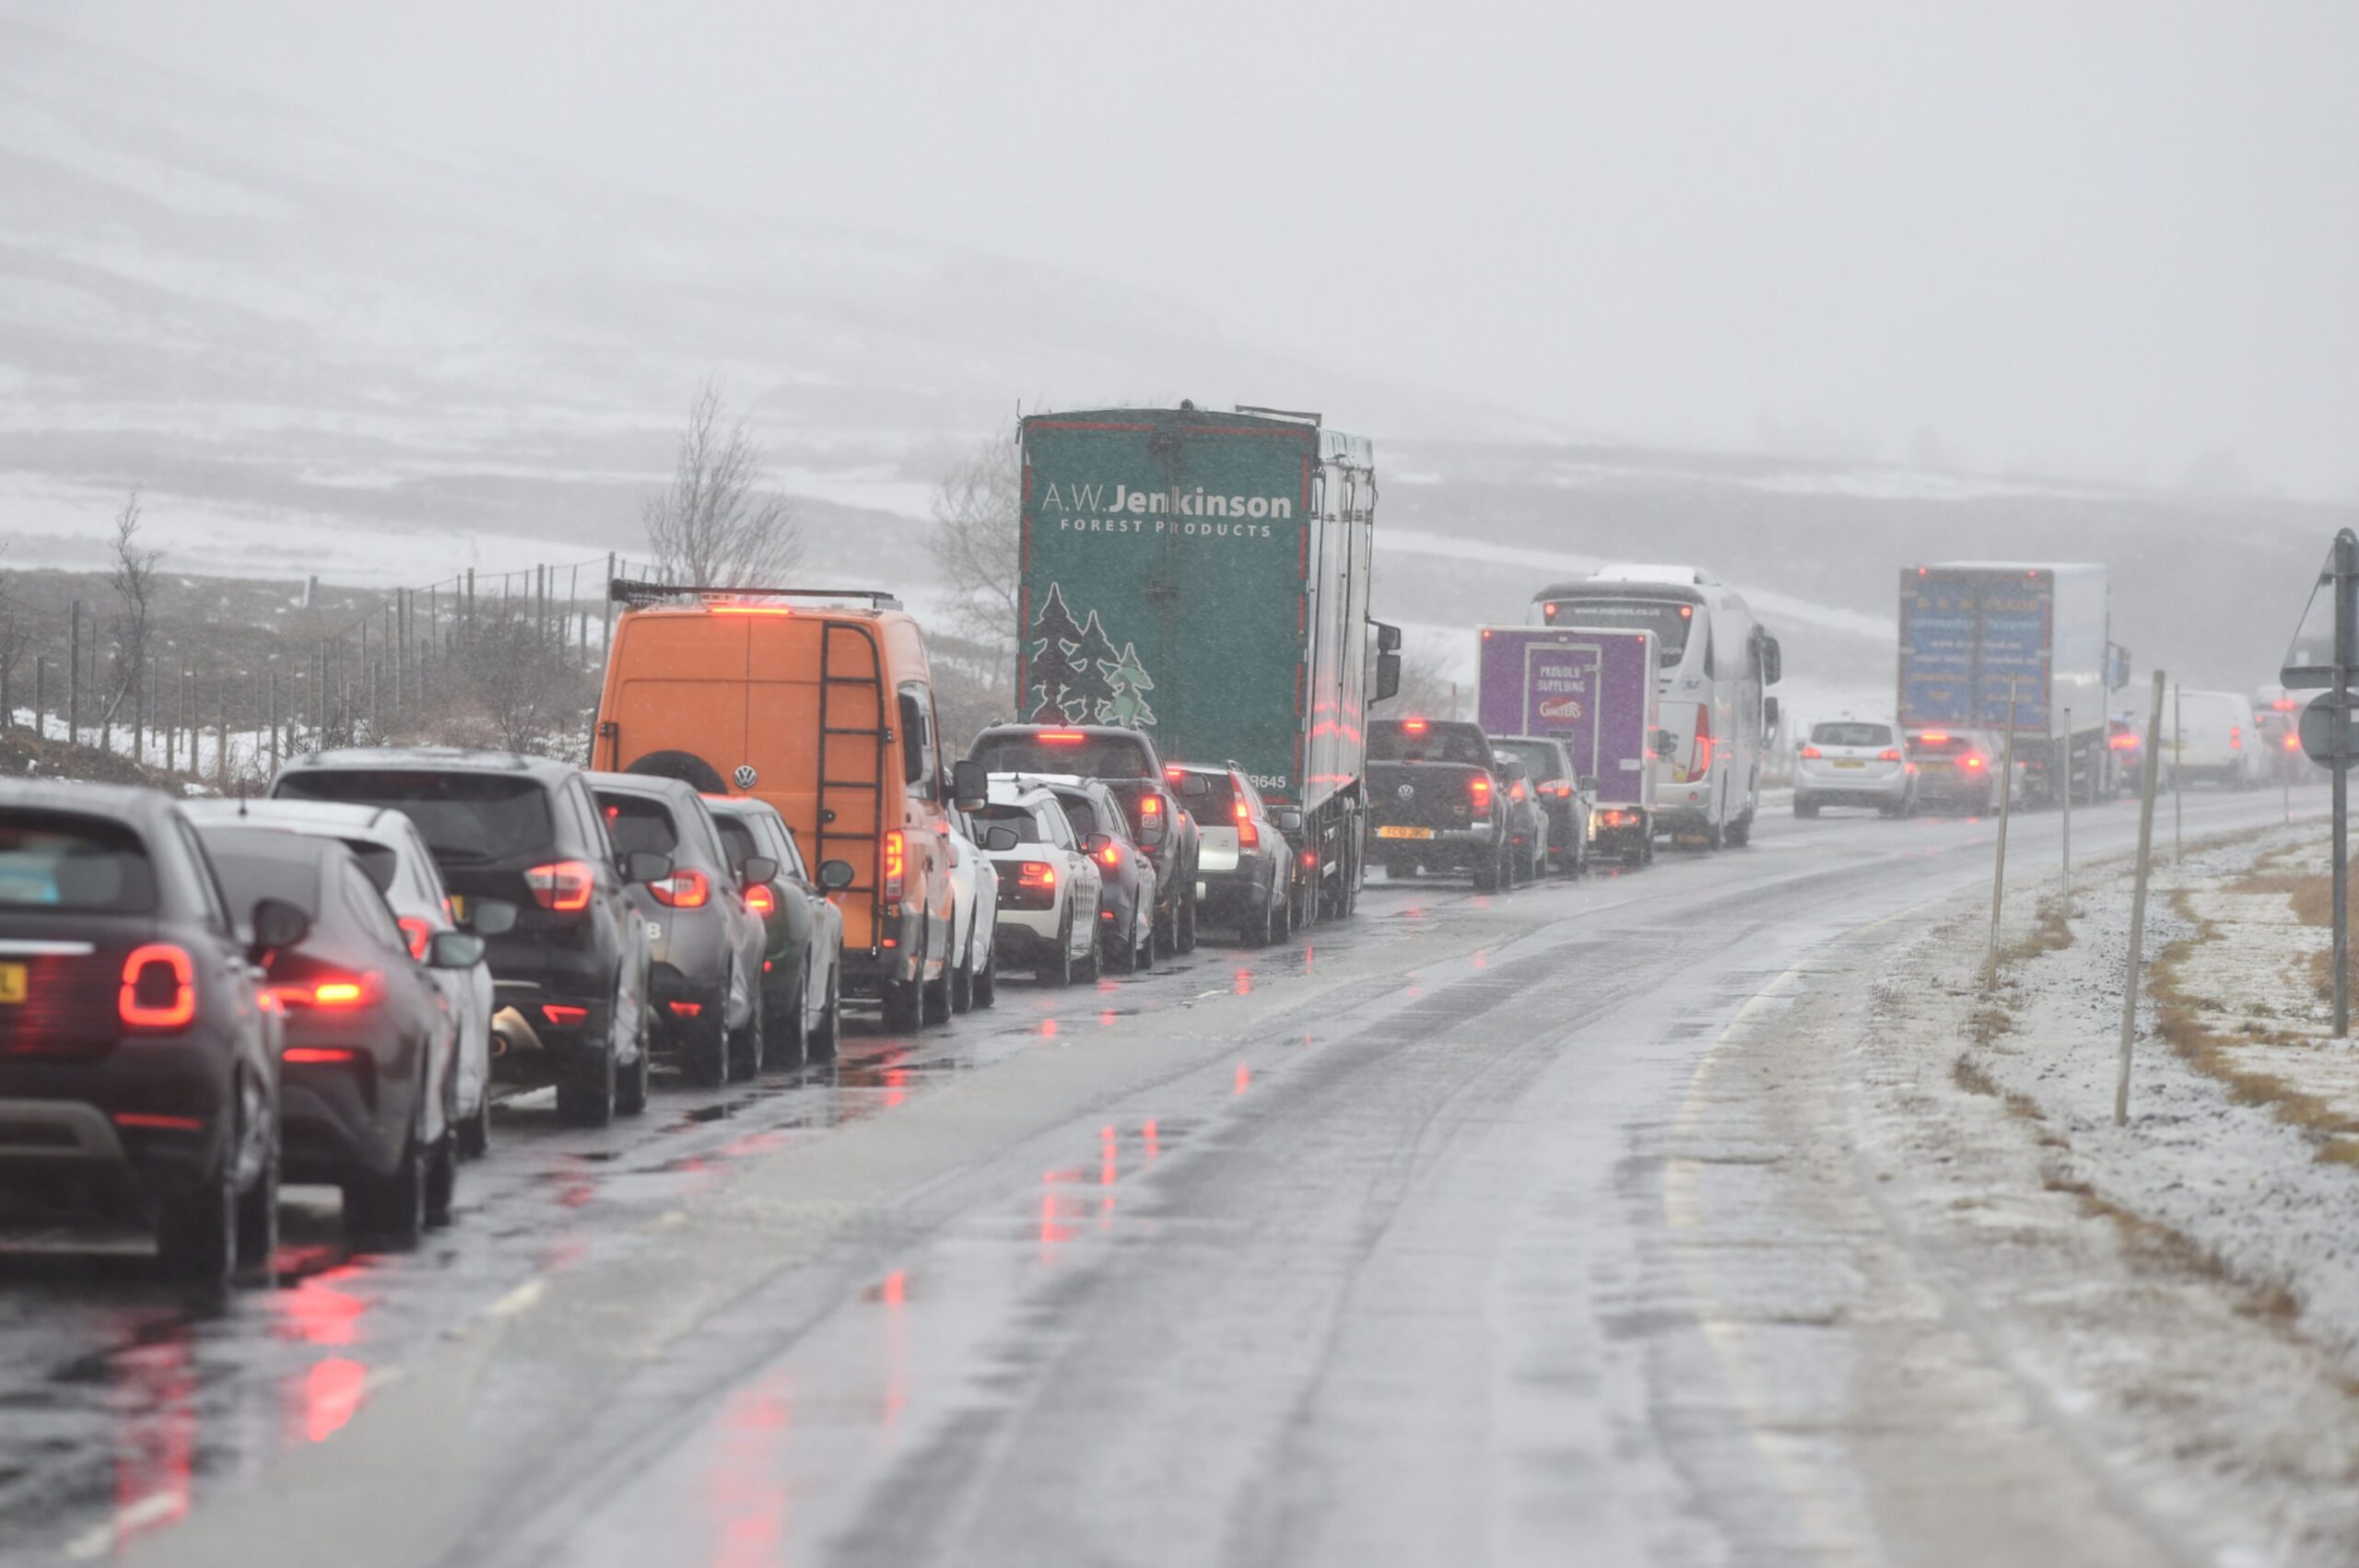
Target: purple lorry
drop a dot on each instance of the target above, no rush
(1595, 691)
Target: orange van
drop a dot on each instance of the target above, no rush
(821, 704)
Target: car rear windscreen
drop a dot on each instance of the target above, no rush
(737, 837)
(1087, 757)
(248, 876)
(1215, 805)
(1541, 762)
(59, 860)
(1942, 745)
(1454, 743)
(378, 859)
(1853, 734)
(1028, 827)
(466, 818)
(636, 822)
(1667, 619)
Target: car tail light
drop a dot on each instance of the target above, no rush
(1112, 854)
(331, 993)
(1150, 805)
(1703, 738)
(683, 890)
(1415, 726)
(154, 1122)
(761, 900)
(1060, 737)
(2125, 742)
(563, 1016)
(896, 864)
(1248, 836)
(1812, 754)
(1890, 754)
(684, 1009)
(1934, 738)
(1175, 774)
(1038, 875)
(2236, 737)
(158, 988)
(1478, 792)
(561, 886)
(2293, 742)
(317, 1056)
(420, 935)
(1515, 790)
(1973, 761)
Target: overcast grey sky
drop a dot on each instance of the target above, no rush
(2084, 238)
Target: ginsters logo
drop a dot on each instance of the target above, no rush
(1189, 513)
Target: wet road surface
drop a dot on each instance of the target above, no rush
(1349, 1250)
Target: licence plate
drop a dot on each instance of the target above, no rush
(12, 984)
(1841, 763)
(1404, 833)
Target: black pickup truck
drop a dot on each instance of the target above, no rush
(1436, 803)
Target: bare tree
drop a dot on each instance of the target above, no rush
(1427, 685)
(15, 639)
(977, 545)
(711, 527)
(132, 574)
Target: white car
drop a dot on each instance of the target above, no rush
(974, 892)
(1048, 886)
(390, 850)
(2213, 738)
(1854, 762)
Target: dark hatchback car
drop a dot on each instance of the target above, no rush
(1126, 761)
(706, 945)
(570, 976)
(1126, 897)
(803, 958)
(139, 1076)
(1559, 792)
(367, 1096)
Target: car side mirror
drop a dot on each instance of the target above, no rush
(277, 924)
(1773, 663)
(1655, 745)
(999, 838)
(970, 784)
(646, 865)
(1589, 784)
(454, 950)
(1387, 676)
(755, 868)
(1512, 771)
(835, 875)
(490, 917)
(1285, 819)
(1096, 844)
(1769, 712)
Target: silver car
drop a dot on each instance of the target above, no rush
(1853, 762)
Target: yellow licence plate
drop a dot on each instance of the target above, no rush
(12, 984)
(1404, 833)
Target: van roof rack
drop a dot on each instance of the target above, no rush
(637, 593)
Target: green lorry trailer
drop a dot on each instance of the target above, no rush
(1205, 578)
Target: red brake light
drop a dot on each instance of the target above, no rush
(1035, 874)
(684, 1009)
(1175, 774)
(2236, 737)
(2293, 742)
(760, 899)
(158, 988)
(1810, 753)
(1150, 805)
(1248, 836)
(1933, 737)
(1060, 737)
(1888, 755)
(1703, 739)
(1971, 762)
(1112, 854)
(562, 886)
(565, 1017)
(2125, 742)
(1478, 792)
(1415, 726)
(1515, 790)
(682, 890)
(317, 1056)
(419, 933)
(334, 993)
(896, 864)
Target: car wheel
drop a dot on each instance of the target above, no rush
(1058, 971)
(1187, 920)
(824, 1039)
(962, 986)
(1487, 875)
(788, 1033)
(196, 1233)
(257, 1239)
(934, 997)
(475, 1133)
(391, 1209)
(1121, 954)
(631, 1082)
(1805, 807)
(745, 1041)
(987, 977)
(585, 1090)
(441, 1183)
(706, 1058)
(904, 1002)
(1090, 967)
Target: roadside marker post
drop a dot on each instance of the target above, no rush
(2325, 660)
(1999, 873)
(2068, 814)
(2178, 784)
(2137, 903)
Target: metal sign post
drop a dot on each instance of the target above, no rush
(2137, 903)
(2068, 814)
(2179, 783)
(1999, 873)
(2325, 726)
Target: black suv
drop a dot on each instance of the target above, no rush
(138, 1052)
(1125, 762)
(570, 980)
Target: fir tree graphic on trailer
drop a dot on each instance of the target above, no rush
(1076, 676)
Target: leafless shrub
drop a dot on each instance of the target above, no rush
(131, 573)
(1426, 683)
(977, 543)
(711, 527)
